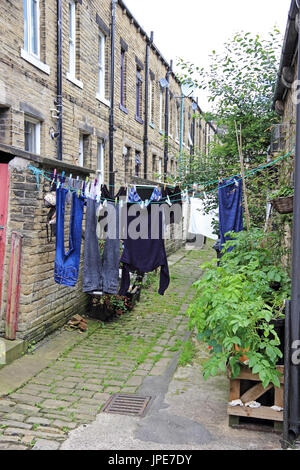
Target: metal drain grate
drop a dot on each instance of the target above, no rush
(125, 404)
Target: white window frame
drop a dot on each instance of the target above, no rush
(100, 161)
(71, 73)
(101, 65)
(37, 133)
(30, 30)
(161, 103)
(159, 169)
(80, 152)
(26, 52)
(72, 39)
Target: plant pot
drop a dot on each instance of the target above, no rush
(283, 205)
(242, 358)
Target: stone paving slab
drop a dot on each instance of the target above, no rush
(110, 357)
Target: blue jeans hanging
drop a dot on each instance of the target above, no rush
(66, 268)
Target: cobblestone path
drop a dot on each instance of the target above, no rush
(108, 358)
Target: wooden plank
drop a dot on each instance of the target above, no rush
(13, 293)
(234, 389)
(247, 374)
(255, 392)
(279, 394)
(264, 412)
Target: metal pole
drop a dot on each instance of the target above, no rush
(149, 42)
(285, 436)
(59, 79)
(112, 92)
(181, 133)
(166, 136)
(294, 382)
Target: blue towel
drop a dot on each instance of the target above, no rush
(230, 208)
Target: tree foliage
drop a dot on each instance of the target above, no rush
(240, 83)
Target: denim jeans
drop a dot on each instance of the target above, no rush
(101, 273)
(66, 268)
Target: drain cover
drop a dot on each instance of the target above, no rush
(125, 404)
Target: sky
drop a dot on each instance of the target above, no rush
(192, 29)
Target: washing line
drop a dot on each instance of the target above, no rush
(37, 172)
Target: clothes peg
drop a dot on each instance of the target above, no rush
(54, 175)
(78, 193)
(116, 201)
(95, 184)
(168, 201)
(105, 203)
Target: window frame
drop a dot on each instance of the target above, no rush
(28, 34)
(100, 158)
(139, 97)
(161, 110)
(37, 134)
(72, 39)
(101, 79)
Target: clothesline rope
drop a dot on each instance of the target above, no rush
(238, 177)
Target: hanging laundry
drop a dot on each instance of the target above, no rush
(66, 268)
(201, 223)
(101, 273)
(144, 254)
(230, 208)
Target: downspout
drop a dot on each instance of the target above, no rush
(166, 136)
(58, 101)
(181, 133)
(149, 42)
(294, 375)
(112, 93)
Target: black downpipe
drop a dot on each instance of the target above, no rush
(149, 42)
(58, 101)
(112, 94)
(294, 379)
(166, 136)
(287, 359)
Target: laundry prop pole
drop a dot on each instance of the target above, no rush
(239, 144)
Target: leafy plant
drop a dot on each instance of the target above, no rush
(236, 304)
(284, 191)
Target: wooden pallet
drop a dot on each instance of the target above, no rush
(253, 394)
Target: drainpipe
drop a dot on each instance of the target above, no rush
(112, 93)
(181, 132)
(149, 42)
(166, 137)
(58, 101)
(294, 375)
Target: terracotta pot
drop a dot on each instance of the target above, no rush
(243, 358)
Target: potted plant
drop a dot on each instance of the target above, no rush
(283, 200)
(119, 304)
(236, 307)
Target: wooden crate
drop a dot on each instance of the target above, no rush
(235, 413)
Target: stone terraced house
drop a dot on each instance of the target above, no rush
(80, 92)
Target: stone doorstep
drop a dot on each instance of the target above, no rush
(14, 349)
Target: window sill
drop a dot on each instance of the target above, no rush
(35, 61)
(122, 108)
(138, 119)
(103, 100)
(74, 80)
(161, 132)
(152, 125)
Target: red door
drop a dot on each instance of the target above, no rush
(4, 189)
